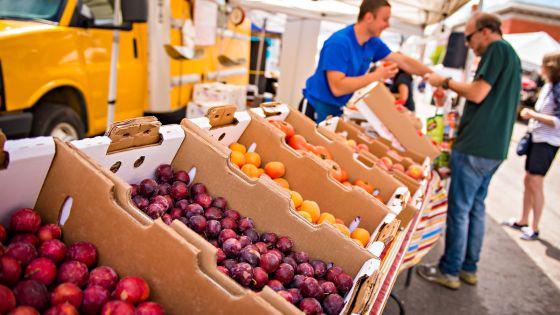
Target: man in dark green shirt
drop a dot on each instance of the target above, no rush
(482, 144)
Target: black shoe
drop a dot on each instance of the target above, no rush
(512, 223)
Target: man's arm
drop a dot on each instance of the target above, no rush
(475, 91)
(340, 84)
(403, 92)
(408, 64)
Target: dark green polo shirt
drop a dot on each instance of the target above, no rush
(485, 129)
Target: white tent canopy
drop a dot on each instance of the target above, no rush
(408, 16)
(531, 47)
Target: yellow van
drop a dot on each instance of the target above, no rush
(55, 60)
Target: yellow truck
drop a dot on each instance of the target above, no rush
(55, 60)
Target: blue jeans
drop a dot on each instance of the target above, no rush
(470, 178)
(323, 110)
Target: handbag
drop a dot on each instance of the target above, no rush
(524, 144)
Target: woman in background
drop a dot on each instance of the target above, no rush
(544, 125)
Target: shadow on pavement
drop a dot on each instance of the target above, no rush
(551, 250)
(509, 283)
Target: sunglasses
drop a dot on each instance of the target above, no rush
(468, 37)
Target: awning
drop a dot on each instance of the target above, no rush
(419, 13)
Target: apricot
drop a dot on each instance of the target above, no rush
(237, 158)
(306, 215)
(238, 147)
(251, 170)
(312, 208)
(326, 217)
(361, 235)
(297, 199)
(343, 229)
(275, 169)
(282, 182)
(253, 158)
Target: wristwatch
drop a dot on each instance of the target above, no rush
(445, 83)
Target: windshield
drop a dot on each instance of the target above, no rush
(31, 9)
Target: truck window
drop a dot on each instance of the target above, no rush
(102, 11)
(49, 10)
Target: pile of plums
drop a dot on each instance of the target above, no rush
(253, 259)
(40, 274)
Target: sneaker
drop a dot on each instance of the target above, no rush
(468, 277)
(529, 234)
(433, 274)
(512, 223)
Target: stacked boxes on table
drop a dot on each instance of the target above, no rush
(187, 147)
(207, 95)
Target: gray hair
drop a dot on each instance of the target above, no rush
(488, 20)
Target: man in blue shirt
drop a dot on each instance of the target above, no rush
(346, 57)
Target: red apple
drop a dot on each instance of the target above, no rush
(25, 221)
(32, 293)
(74, 272)
(149, 308)
(24, 310)
(103, 276)
(7, 299)
(3, 233)
(29, 238)
(67, 292)
(415, 171)
(54, 250)
(117, 308)
(83, 252)
(24, 253)
(132, 289)
(41, 269)
(62, 309)
(10, 271)
(94, 298)
(49, 231)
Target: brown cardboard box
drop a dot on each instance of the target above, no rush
(392, 191)
(377, 146)
(79, 194)
(380, 102)
(267, 205)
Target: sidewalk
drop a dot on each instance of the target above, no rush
(510, 283)
(516, 277)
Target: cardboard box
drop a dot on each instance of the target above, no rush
(392, 191)
(66, 188)
(377, 106)
(189, 148)
(378, 147)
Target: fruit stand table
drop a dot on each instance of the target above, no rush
(393, 257)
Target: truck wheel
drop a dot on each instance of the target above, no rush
(57, 121)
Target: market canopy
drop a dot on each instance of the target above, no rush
(413, 13)
(531, 47)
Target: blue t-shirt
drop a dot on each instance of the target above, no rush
(342, 52)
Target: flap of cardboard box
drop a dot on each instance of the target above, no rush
(381, 102)
(406, 215)
(28, 157)
(388, 232)
(221, 115)
(136, 132)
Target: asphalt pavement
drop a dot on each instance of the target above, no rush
(515, 276)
